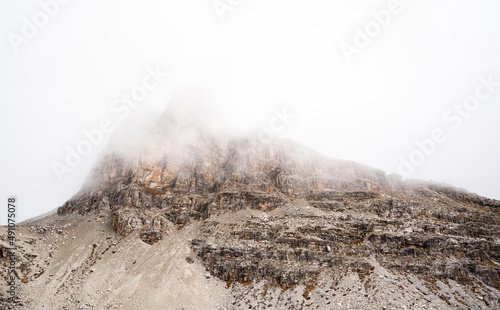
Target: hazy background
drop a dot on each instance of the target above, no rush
(263, 55)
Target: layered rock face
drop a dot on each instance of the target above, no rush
(188, 170)
(282, 213)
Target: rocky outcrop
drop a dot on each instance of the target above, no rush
(291, 247)
(305, 216)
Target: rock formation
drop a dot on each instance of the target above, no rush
(284, 216)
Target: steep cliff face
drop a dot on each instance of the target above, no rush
(217, 176)
(283, 215)
(188, 171)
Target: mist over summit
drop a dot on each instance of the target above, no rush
(192, 216)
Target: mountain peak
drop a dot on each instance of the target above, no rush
(261, 224)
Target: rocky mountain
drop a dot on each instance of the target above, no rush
(193, 217)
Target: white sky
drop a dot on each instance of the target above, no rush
(263, 55)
